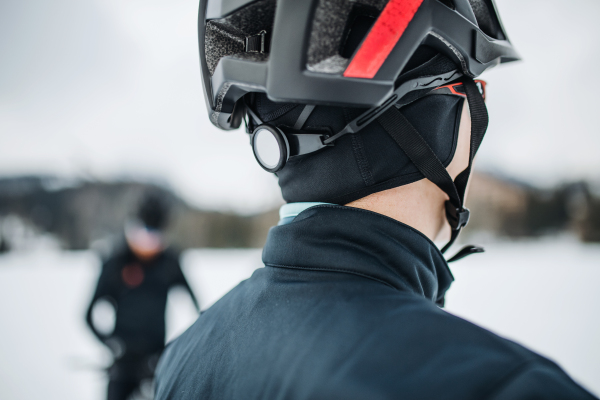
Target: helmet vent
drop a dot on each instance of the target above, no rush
(227, 36)
(339, 26)
(421, 56)
(358, 26)
(487, 19)
(448, 3)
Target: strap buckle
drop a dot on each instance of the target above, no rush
(257, 43)
(457, 217)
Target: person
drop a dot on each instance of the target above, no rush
(368, 113)
(135, 280)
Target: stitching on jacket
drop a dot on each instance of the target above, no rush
(380, 215)
(332, 270)
(509, 378)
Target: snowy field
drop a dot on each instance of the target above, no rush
(541, 294)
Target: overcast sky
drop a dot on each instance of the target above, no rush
(111, 88)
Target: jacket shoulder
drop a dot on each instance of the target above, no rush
(540, 380)
(497, 366)
(448, 330)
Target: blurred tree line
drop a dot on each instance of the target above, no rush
(81, 214)
(512, 209)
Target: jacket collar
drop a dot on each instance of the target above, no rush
(288, 212)
(360, 242)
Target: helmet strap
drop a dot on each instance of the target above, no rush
(427, 162)
(306, 111)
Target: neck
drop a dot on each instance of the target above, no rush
(419, 205)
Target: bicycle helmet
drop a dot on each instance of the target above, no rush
(341, 52)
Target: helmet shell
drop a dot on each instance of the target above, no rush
(468, 32)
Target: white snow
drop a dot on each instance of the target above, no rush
(541, 294)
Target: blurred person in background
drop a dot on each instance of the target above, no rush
(369, 115)
(136, 280)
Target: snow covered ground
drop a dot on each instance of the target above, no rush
(543, 294)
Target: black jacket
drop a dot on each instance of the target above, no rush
(344, 309)
(138, 290)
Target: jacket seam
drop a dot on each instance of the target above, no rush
(341, 270)
(509, 378)
(380, 215)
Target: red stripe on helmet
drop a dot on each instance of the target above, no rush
(382, 38)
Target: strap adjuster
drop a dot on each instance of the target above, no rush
(257, 43)
(457, 217)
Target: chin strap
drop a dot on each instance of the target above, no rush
(426, 161)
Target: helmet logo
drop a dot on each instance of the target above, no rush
(382, 38)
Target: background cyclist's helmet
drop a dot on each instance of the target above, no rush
(352, 53)
(153, 211)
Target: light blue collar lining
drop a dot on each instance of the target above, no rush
(288, 212)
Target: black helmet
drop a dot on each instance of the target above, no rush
(153, 211)
(342, 52)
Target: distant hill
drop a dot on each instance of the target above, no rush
(84, 213)
(79, 213)
(508, 208)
